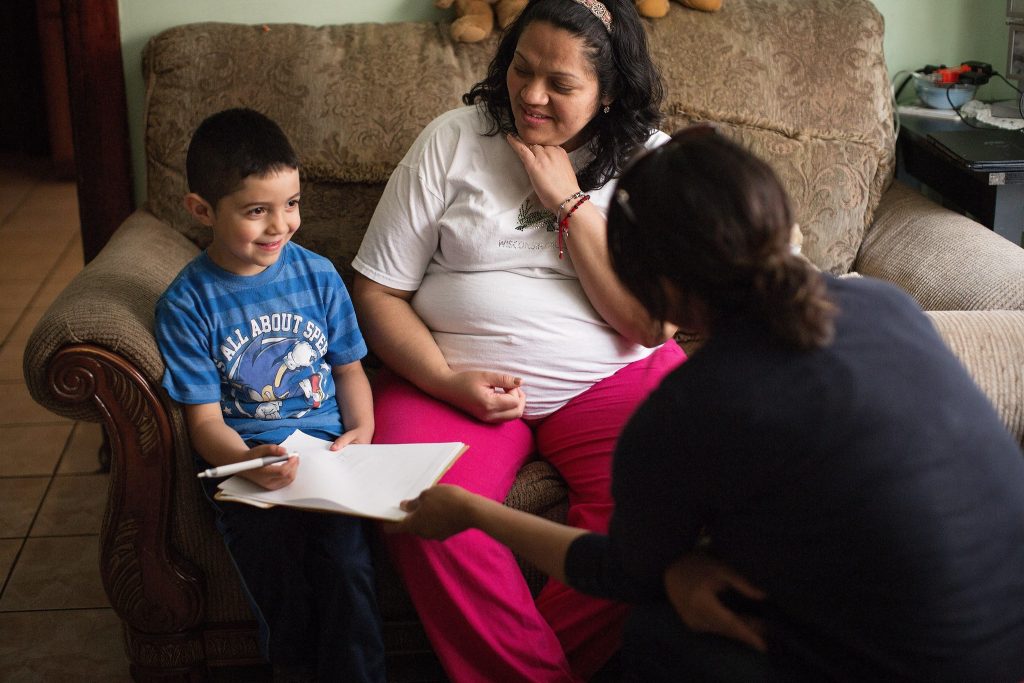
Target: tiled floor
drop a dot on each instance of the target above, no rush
(55, 621)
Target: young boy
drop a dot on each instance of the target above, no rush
(259, 338)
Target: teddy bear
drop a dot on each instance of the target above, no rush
(474, 19)
(655, 9)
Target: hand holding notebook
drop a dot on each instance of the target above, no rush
(368, 480)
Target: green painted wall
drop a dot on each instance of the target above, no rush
(918, 32)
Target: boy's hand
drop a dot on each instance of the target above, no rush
(354, 435)
(271, 477)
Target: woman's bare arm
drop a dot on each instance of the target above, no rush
(402, 341)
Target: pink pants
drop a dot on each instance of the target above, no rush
(471, 597)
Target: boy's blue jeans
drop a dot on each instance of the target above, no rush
(309, 578)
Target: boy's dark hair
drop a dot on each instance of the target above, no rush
(710, 219)
(232, 145)
(625, 74)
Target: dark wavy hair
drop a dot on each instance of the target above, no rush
(232, 145)
(625, 74)
(712, 220)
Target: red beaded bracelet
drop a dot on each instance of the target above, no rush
(563, 225)
(561, 207)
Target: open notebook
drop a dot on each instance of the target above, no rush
(983, 149)
(365, 480)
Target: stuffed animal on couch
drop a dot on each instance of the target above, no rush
(655, 9)
(474, 19)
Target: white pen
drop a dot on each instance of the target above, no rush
(235, 468)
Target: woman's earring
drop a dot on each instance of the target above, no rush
(607, 108)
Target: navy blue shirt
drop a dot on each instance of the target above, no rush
(868, 487)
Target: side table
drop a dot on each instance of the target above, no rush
(994, 198)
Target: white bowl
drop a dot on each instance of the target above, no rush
(943, 95)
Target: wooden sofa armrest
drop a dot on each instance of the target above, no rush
(93, 356)
(946, 261)
(150, 586)
(990, 344)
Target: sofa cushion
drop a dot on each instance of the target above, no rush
(807, 91)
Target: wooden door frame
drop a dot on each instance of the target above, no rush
(99, 118)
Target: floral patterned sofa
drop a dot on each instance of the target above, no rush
(802, 82)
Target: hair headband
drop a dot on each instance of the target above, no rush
(599, 10)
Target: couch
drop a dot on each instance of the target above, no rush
(802, 82)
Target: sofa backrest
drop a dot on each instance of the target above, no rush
(802, 82)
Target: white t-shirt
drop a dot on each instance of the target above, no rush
(460, 224)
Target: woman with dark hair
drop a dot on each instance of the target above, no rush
(820, 493)
(631, 90)
(483, 284)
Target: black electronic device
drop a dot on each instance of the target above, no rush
(992, 150)
(979, 73)
(981, 67)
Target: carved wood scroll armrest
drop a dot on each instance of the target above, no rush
(152, 588)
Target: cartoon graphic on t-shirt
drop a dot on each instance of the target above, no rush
(312, 390)
(530, 217)
(268, 370)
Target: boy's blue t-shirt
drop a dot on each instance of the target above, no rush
(262, 345)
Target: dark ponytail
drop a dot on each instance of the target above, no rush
(712, 220)
(794, 301)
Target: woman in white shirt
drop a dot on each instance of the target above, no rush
(483, 284)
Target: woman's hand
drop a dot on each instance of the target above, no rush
(554, 181)
(487, 396)
(439, 512)
(444, 510)
(271, 477)
(693, 584)
(550, 171)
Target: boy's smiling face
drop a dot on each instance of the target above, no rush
(252, 224)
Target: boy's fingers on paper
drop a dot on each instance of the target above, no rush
(358, 434)
(269, 477)
(277, 476)
(342, 441)
(266, 450)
